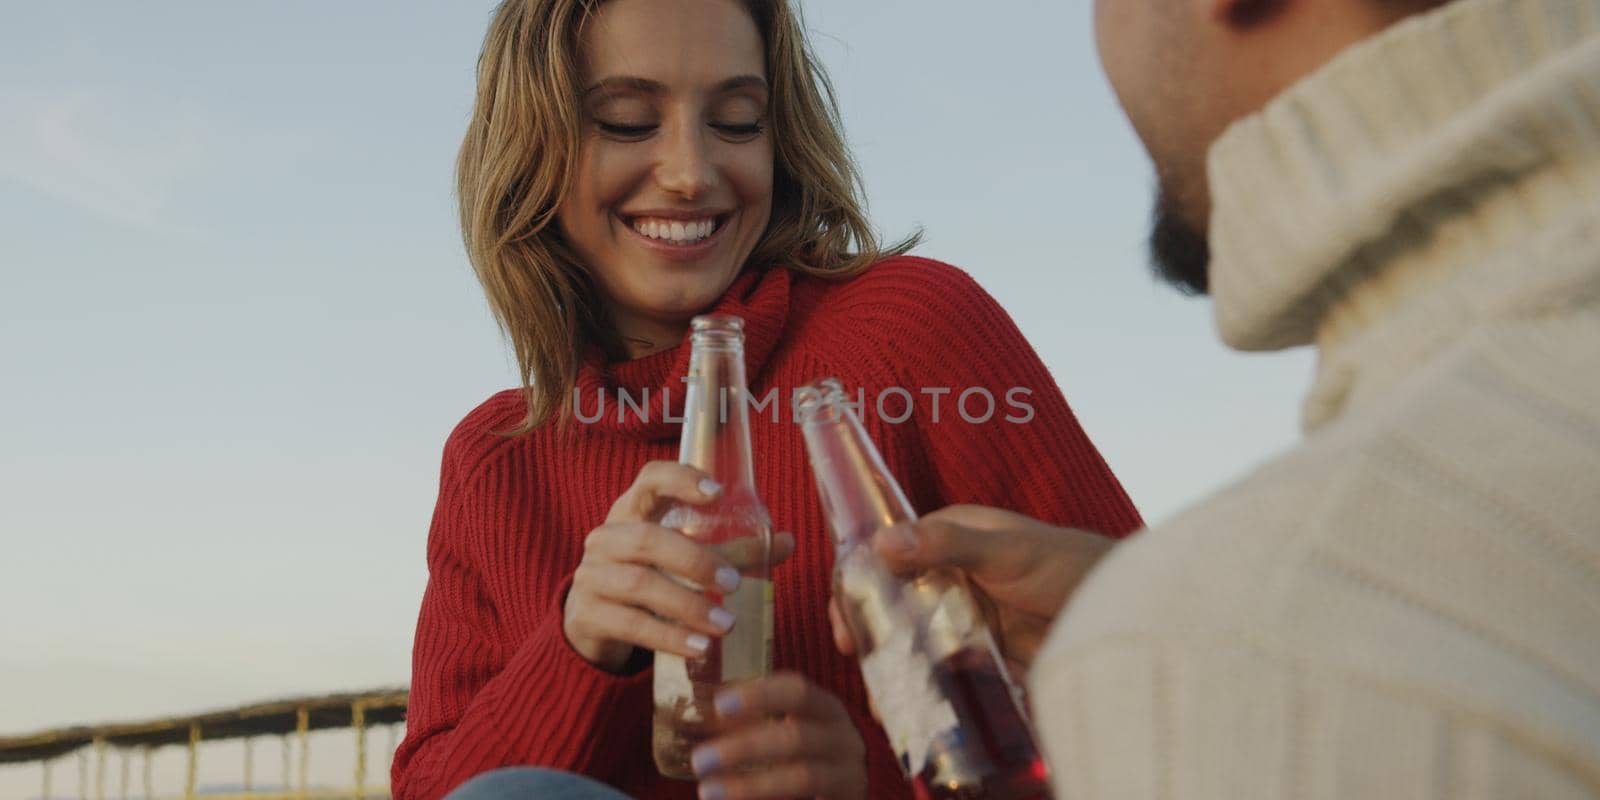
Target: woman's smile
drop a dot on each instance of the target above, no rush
(677, 235)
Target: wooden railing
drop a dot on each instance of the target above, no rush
(94, 745)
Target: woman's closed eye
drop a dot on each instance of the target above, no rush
(636, 131)
(630, 131)
(740, 131)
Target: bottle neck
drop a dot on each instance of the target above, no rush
(716, 425)
(859, 495)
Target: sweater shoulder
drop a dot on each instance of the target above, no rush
(903, 282)
(1459, 490)
(482, 436)
(900, 295)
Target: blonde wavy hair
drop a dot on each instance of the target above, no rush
(520, 151)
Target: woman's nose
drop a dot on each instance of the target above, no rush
(685, 167)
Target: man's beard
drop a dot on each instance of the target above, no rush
(1179, 252)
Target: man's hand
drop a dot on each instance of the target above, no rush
(1022, 571)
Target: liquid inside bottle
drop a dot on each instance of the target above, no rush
(716, 440)
(928, 660)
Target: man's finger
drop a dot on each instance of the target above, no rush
(934, 542)
(1021, 562)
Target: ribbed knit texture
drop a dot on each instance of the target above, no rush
(1407, 605)
(494, 681)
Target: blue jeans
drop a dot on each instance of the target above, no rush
(533, 783)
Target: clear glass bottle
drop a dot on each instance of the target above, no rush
(716, 440)
(937, 681)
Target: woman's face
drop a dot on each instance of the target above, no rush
(673, 186)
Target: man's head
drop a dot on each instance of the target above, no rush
(1186, 69)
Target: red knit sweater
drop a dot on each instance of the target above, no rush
(494, 682)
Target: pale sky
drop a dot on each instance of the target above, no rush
(238, 322)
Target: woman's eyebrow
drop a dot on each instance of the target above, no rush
(625, 83)
(742, 82)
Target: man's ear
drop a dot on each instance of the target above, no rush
(1243, 14)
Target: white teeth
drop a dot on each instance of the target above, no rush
(675, 231)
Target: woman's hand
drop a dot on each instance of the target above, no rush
(781, 736)
(620, 598)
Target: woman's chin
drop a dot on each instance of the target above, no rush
(672, 311)
(681, 301)
(682, 309)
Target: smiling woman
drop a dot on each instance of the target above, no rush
(674, 176)
(598, 121)
(631, 164)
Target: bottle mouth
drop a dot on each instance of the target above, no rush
(717, 331)
(717, 322)
(821, 402)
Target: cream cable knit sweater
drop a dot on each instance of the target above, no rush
(1408, 603)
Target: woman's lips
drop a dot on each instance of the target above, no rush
(678, 237)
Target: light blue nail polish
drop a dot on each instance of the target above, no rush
(709, 487)
(704, 761)
(698, 643)
(728, 704)
(728, 578)
(712, 791)
(722, 618)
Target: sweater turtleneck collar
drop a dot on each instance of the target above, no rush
(758, 296)
(1440, 174)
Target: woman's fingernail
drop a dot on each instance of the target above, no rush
(698, 643)
(710, 790)
(709, 487)
(727, 704)
(722, 618)
(704, 761)
(728, 578)
(899, 538)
